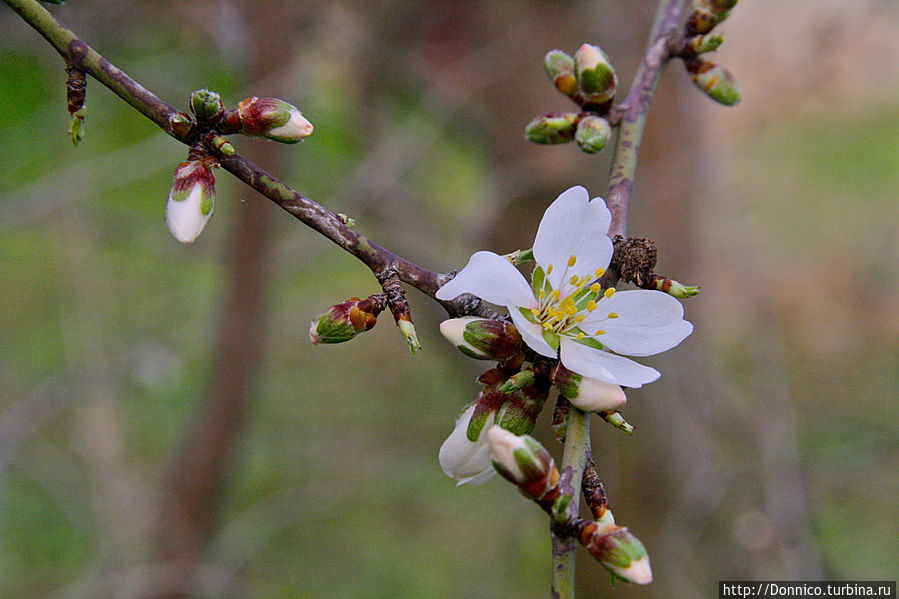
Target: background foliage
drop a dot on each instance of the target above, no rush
(767, 450)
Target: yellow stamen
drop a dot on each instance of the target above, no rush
(555, 293)
(591, 306)
(572, 260)
(595, 287)
(609, 292)
(547, 326)
(600, 272)
(600, 332)
(542, 293)
(549, 269)
(573, 280)
(613, 314)
(580, 336)
(535, 311)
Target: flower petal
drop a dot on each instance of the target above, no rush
(648, 322)
(463, 460)
(531, 334)
(492, 278)
(574, 226)
(604, 366)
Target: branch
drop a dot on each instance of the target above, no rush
(632, 115)
(380, 261)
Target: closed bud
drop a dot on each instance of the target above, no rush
(407, 329)
(593, 133)
(699, 44)
(701, 20)
(191, 199)
(617, 420)
(482, 339)
(520, 409)
(619, 551)
(345, 320)
(714, 80)
(273, 119)
(560, 68)
(552, 128)
(595, 75)
(587, 394)
(206, 105)
(523, 461)
(719, 8)
(674, 288)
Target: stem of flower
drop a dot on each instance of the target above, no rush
(574, 460)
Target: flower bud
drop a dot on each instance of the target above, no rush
(408, 331)
(595, 74)
(465, 459)
(714, 80)
(523, 461)
(593, 133)
(345, 320)
(482, 339)
(617, 420)
(619, 551)
(674, 288)
(191, 199)
(560, 68)
(520, 409)
(584, 393)
(699, 44)
(272, 118)
(700, 21)
(206, 105)
(719, 8)
(552, 128)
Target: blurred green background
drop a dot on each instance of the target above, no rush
(139, 376)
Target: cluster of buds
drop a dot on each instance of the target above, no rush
(191, 198)
(523, 461)
(347, 319)
(270, 118)
(589, 79)
(714, 80)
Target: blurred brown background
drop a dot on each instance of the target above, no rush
(167, 430)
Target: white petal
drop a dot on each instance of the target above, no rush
(648, 322)
(185, 218)
(574, 226)
(463, 460)
(531, 334)
(295, 129)
(604, 366)
(595, 395)
(492, 278)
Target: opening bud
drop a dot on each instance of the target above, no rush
(560, 68)
(523, 461)
(465, 455)
(344, 321)
(552, 128)
(584, 393)
(273, 119)
(595, 74)
(618, 551)
(593, 133)
(206, 105)
(191, 199)
(714, 80)
(482, 339)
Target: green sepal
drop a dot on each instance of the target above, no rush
(551, 338)
(520, 380)
(587, 340)
(528, 315)
(538, 280)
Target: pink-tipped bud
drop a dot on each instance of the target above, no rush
(522, 460)
(595, 74)
(344, 321)
(618, 550)
(191, 199)
(273, 119)
(584, 393)
(482, 339)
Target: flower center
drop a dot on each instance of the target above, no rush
(561, 311)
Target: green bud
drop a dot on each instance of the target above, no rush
(560, 68)
(699, 44)
(719, 8)
(595, 75)
(344, 321)
(206, 105)
(482, 339)
(593, 133)
(674, 288)
(700, 21)
(618, 421)
(408, 330)
(223, 145)
(180, 123)
(552, 128)
(714, 80)
(76, 128)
